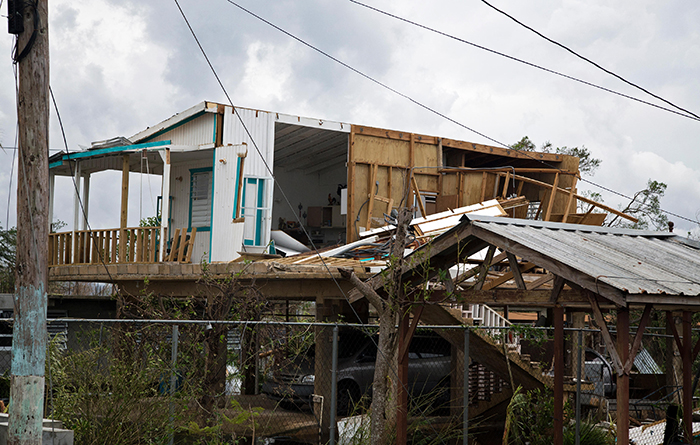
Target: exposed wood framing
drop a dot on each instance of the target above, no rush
(557, 288)
(484, 267)
(579, 197)
(638, 338)
(609, 343)
(552, 196)
(508, 276)
(371, 186)
(416, 190)
(540, 281)
(571, 199)
(515, 270)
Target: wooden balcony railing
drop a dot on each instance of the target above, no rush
(108, 246)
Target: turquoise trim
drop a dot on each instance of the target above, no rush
(174, 126)
(55, 164)
(189, 218)
(259, 219)
(213, 138)
(238, 180)
(104, 151)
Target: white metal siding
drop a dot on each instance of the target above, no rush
(198, 131)
(228, 236)
(180, 191)
(261, 126)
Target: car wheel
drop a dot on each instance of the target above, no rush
(348, 397)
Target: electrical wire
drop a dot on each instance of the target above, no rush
(589, 60)
(325, 265)
(522, 61)
(428, 108)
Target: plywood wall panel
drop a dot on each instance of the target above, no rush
(373, 150)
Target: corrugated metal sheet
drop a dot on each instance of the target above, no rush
(261, 126)
(198, 131)
(633, 261)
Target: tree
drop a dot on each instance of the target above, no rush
(8, 255)
(587, 164)
(645, 206)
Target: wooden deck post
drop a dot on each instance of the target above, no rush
(124, 209)
(623, 380)
(687, 355)
(558, 375)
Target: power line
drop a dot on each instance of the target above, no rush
(521, 60)
(426, 107)
(589, 60)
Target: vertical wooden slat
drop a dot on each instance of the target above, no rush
(132, 244)
(552, 195)
(69, 248)
(173, 246)
(483, 186)
(153, 253)
(115, 241)
(505, 185)
(94, 243)
(190, 247)
(181, 251)
(371, 187)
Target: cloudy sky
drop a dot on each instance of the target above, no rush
(120, 66)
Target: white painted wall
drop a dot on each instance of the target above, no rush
(260, 160)
(180, 191)
(199, 131)
(228, 235)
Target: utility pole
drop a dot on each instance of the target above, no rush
(28, 19)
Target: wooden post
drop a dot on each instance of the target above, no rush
(623, 380)
(30, 299)
(125, 208)
(687, 355)
(402, 391)
(559, 375)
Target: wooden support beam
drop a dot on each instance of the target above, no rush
(571, 199)
(515, 270)
(559, 376)
(638, 338)
(505, 185)
(485, 266)
(540, 281)
(609, 344)
(483, 186)
(124, 208)
(552, 196)
(475, 270)
(579, 197)
(417, 192)
(623, 380)
(557, 288)
(372, 191)
(687, 377)
(507, 276)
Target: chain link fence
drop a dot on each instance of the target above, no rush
(136, 381)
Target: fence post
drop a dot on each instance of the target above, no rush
(465, 389)
(173, 379)
(334, 386)
(578, 388)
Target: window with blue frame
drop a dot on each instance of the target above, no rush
(255, 210)
(200, 198)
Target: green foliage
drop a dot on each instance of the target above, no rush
(587, 164)
(8, 255)
(646, 206)
(530, 420)
(150, 221)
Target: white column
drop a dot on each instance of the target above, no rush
(86, 200)
(165, 208)
(76, 197)
(52, 185)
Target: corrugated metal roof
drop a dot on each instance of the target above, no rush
(633, 261)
